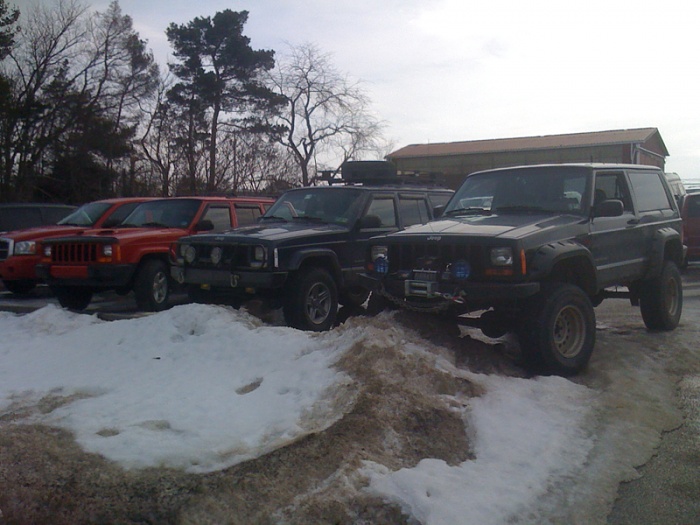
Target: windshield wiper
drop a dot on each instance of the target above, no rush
(273, 217)
(520, 208)
(471, 210)
(155, 225)
(311, 218)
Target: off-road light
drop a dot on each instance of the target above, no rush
(502, 256)
(381, 265)
(216, 253)
(461, 270)
(189, 253)
(25, 248)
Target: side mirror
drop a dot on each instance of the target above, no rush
(609, 208)
(438, 211)
(205, 225)
(369, 221)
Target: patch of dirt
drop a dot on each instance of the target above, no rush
(404, 409)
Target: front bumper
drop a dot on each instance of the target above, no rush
(228, 279)
(98, 276)
(475, 293)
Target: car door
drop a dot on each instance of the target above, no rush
(616, 243)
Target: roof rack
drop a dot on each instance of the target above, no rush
(379, 173)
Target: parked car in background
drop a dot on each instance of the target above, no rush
(690, 213)
(675, 183)
(134, 254)
(19, 253)
(306, 252)
(16, 216)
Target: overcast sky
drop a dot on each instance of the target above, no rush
(453, 70)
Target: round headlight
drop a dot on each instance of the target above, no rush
(216, 254)
(381, 265)
(461, 269)
(189, 253)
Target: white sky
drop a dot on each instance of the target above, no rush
(451, 70)
(203, 387)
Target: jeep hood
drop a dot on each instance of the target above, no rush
(273, 232)
(40, 232)
(511, 226)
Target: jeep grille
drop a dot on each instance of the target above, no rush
(431, 257)
(74, 252)
(233, 256)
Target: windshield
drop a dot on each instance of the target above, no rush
(86, 215)
(167, 213)
(323, 204)
(552, 189)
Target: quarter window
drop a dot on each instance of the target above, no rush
(247, 213)
(650, 191)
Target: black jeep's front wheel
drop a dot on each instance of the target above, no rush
(559, 331)
(73, 297)
(152, 286)
(661, 299)
(311, 300)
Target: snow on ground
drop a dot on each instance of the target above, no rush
(202, 388)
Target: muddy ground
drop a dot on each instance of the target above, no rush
(398, 418)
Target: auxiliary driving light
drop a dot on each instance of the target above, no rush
(461, 269)
(381, 265)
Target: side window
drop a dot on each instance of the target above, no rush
(384, 208)
(650, 191)
(439, 199)
(612, 186)
(220, 216)
(247, 213)
(413, 210)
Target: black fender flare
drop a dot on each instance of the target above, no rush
(301, 256)
(549, 255)
(660, 252)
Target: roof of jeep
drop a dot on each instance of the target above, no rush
(588, 165)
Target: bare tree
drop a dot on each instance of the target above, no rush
(325, 112)
(76, 82)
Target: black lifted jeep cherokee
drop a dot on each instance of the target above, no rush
(306, 252)
(532, 250)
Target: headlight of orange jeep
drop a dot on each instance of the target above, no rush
(25, 248)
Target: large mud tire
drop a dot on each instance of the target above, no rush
(311, 300)
(152, 286)
(661, 299)
(73, 297)
(558, 334)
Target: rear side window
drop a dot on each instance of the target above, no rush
(220, 216)
(650, 191)
(413, 211)
(247, 213)
(384, 208)
(439, 199)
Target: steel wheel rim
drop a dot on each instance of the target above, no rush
(671, 294)
(569, 332)
(160, 287)
(318, 303)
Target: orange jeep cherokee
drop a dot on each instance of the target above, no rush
(18, 249)
(135, 255)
